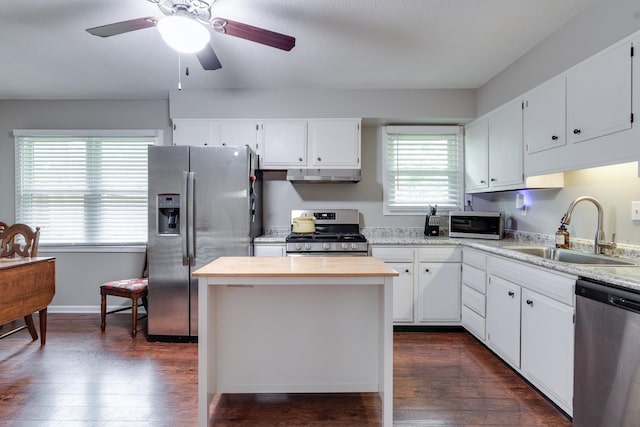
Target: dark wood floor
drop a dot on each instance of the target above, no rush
(85, 378)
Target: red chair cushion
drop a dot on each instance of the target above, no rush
(132, 285)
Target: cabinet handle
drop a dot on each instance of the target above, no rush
(299, 159)
(554, 138)
(426, 270)
(407, 270)
(511, 294)
(576, 131)
(529, 302)
(224, 144)
(482, 181)
(319, 159)
(493, 180)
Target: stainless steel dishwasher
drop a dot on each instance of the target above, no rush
(607, 356)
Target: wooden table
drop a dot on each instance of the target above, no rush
(27, 285)
(295, 324)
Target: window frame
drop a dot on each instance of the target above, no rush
(156, 134)
(417, 130)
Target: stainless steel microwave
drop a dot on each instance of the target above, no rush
(476, 225)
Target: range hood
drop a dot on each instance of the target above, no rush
(319, 176)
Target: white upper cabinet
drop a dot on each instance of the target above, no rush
(192, 132)
(505, 147)
(334, 143)
(544, 116)
(215, 132)
(284, 143)
(235, 133)
(599, 95)
(476, 160)
(312, 143)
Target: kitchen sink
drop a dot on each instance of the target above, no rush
(569, 256)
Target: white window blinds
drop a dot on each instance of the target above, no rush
(83, 190)
(423, 166)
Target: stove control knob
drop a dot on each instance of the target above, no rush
(326, 246)
(344, 245)
(354, 246)
(298, 246)
(307, 246)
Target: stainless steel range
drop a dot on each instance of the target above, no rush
(337, 233)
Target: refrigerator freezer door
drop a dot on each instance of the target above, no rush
(168, 277)
(221, 208)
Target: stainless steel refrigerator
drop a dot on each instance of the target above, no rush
(204, 202)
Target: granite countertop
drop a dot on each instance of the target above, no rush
(626, 277)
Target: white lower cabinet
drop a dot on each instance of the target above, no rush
(431, 297)
(403, 292)
(530, 324)
(269, 250)
(438, 293)
(503, 319)
(547, 345)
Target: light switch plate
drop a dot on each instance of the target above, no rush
(635, 211)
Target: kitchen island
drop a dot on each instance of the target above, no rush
(295, 324)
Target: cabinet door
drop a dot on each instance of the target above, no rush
(403, 292)
(192, 132)
(476, 161)
(599, 95)
(503, 319)
(269, 250)
(438, 296)
(544, 117)
(235, 133)
(334, 143)
(505, 147)
(547, 345)
(284, 143)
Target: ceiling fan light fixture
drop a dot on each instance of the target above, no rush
(183, 34)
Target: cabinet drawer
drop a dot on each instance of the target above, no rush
(473, 300)
(440, 254)
(393, 254)
(474, 278)
(556, 285)
(476, 258)
(474, 323)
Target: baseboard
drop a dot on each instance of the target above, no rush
(85, 309)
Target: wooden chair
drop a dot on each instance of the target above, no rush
(21, 240)
(134, 289)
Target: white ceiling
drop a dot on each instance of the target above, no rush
(340, 44)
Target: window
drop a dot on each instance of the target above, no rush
(83, 187)
(422, 166)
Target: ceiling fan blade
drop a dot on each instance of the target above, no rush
(123, 27)
(208, 58)
(255, 34)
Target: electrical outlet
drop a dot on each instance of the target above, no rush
(635, 211)
(468, 200)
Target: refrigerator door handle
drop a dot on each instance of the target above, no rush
(185, 237)
(191, 219)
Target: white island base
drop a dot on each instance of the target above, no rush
(295, 324)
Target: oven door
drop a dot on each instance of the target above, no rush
(327, 254)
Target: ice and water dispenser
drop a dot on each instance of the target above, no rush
(168, 214)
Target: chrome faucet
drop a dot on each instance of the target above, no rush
(599, 242)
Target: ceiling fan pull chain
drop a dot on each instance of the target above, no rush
(179, 73)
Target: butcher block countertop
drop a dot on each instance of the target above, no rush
(313, 266)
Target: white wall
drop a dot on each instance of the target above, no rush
(78, 275)
(615, 187)
(603, 24)
(597, 27)
(376, 107)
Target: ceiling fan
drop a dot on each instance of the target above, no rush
(197, 13)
